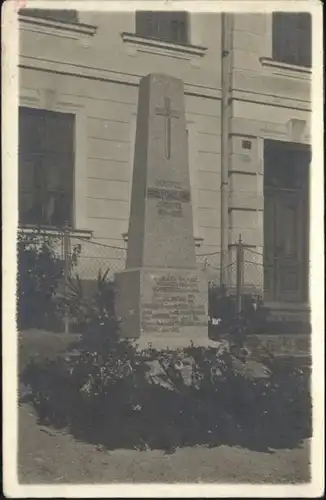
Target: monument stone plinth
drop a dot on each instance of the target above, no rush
(161, 293)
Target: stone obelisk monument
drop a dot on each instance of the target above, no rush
(161, 294)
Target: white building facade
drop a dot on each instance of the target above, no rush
(247, 84)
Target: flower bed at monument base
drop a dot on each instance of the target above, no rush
(111, 393)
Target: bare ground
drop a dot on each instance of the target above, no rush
(50, 456)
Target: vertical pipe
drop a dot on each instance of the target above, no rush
(225, 87)
(239, 277)
(66, 273)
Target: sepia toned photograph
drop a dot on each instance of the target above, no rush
(163, 297)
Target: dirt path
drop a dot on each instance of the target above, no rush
(48, 456)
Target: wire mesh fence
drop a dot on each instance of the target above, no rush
(243, 273)
(253, 269)
(94, 255)
(210, 263)
(86, 257)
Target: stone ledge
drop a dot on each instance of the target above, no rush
(270, 100)
(105, 74)
(48, 231)
(57, 28)
(282, 345)
(163, 342)
(160, 47)
(285, 69)
(246, 201)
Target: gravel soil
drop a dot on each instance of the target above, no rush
(50, 456)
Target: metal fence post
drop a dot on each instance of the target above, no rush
(239, 275)
(205, 264)
(66, 254)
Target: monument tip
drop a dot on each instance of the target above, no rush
(163, 77)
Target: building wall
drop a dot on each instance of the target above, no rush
(95, 74)
(87, 75)
(267, 97)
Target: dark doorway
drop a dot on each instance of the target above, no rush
(286, 221)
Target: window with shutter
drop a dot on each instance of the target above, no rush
(166, 26)
(46, 167)
(292, 38)
(68, 16)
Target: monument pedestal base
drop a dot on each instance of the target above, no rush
(160, 343)
(163, 306)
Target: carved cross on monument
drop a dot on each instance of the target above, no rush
(168, 113)
(161, 295)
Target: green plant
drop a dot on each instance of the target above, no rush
(195, 395)
(39, 273)
(113, 392)
(92, 311)
(225, 320)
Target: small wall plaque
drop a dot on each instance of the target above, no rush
(246, 144)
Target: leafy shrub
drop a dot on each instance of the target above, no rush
(39, 273)
(111, 393)
(115, 398)
(92, 312)
(222, 307)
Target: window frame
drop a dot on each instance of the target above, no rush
(36, 98)
(67, 29)
(51, 16)
(43, 155)
(276, 54)
(185, 40)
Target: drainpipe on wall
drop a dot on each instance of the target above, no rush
(225, 123)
